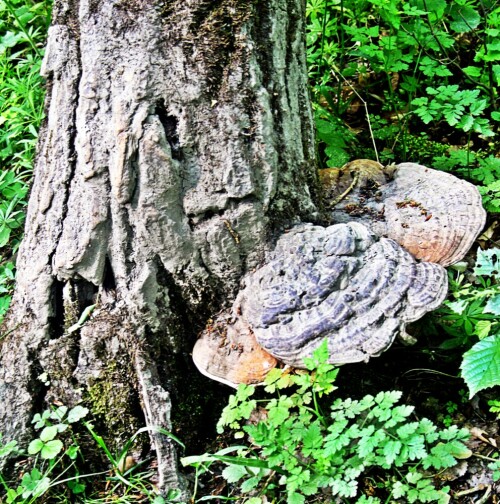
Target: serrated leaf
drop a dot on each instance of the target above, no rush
(391, 450)
(457, 307)
(407, 430)
(312, 438)
(481, 365)
(465, 18)
(416, 448)
(473, 71)
(280, 411)
(295, 498)
(399, 489)
(483, 328)
(233, 473)
(250, 484)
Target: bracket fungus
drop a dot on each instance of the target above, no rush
(357, 283)
(228, 352)
(432, 214)
(341, 283)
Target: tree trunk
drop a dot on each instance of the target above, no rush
(178, 140)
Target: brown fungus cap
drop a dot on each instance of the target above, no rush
(432, 214)
(228, 352)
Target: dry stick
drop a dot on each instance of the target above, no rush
(334, 70)
(474, 490)
(339, 198)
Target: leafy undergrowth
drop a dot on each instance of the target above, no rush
(424, 379)
(56, 466)
(23, 29)
(298, 445)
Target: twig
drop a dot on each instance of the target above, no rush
(339, 198)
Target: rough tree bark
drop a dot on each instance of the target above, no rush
(178, 139)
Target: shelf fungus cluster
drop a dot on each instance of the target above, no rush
(432, 214)
(357, 283)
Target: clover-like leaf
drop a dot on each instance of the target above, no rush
(51, 449)
(35, 446)
(77, 413)
(49, 433)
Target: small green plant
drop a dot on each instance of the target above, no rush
(494, 406)
(447, 419)
(472, 311)
(53, 460)
(472, 315)
(50, 457)
(460, 108)
(304, 445)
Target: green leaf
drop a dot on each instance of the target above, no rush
(34, 484)
(41, 420)
(8, 448)
(295, 498)
(12, 494)
(465, 18)
(488, 262)
(35, 446)
(481, 365)
(72, 452)
(4, 236)
(49, 433)
(416, 448)
(78, 487)
(483, 328)
(492, 306)
(399, 490)
(391, 450)
(457, 307)
(233, 473)
(250, 484)
(51, 449)
(473, 71)
(59, 413)
(279, 411)
(312, 438)
(77, 413)
(11, 39)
